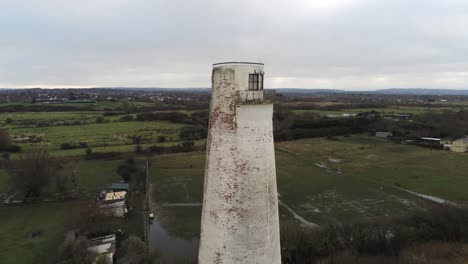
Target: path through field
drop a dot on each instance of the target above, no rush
(303, 221)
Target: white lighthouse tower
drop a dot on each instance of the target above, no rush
(240, 222)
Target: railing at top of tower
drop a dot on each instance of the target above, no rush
(255, 96)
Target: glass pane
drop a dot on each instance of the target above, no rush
(260, 82)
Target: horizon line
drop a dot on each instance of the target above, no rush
(292, 88)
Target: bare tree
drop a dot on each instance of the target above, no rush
(32, 173)
(76, 252)
(5, 140)
(90, 219)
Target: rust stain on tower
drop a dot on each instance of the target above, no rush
(240, 222)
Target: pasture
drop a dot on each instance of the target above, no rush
(327, 181)
(105, 134)
(19, 245)
(386, 110)
(322, 180)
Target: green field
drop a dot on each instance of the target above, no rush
(178, 178)
(380, 162)
(89, 126)
(322, 180)
(114, 133)
(387, 110)
(3, 181)
(18, 222)
(95, 175)
(25, 117)
(128, 148)
(359, 182)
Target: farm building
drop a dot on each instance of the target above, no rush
(397, 117)
(115, 208)
(460, 145)
(104, 247)
(445, 142)
(383, 134)
(112, 203)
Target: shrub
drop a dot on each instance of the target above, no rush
(187, 146)
(100, 119)
(175, 117)
(193, 132)
(88, 151)
(376, 236)
(13, 148)
(104, 155)
(138, 148)
(66, 145)
(76, 252)
(126, 118)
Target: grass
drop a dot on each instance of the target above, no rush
(100, 106)
(113, 133)
(24, 117)
(17, 222)
(178, 178)
(388, 110)
(380, 162)
(117, 148)
(95, 175)
(4, 179)
(181, 222)
(365, 187)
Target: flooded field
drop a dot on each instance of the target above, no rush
(164, 238)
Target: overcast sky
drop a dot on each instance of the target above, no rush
(343, 44)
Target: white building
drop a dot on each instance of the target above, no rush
(240, 222)
(383, 134)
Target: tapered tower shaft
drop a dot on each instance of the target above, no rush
(240, 222)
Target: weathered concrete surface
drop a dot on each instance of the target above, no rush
(240, 222)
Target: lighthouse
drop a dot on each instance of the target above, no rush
(240, 222)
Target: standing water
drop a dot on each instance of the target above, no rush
(167, 244)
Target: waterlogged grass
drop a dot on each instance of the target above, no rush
(377, 161)
(181, 222)
(178, 178)
(334, 180)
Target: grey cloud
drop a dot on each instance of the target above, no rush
(354, 44)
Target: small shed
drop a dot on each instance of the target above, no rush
(383, 134)
(460, 145)
(112, 203)
(115, 208)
